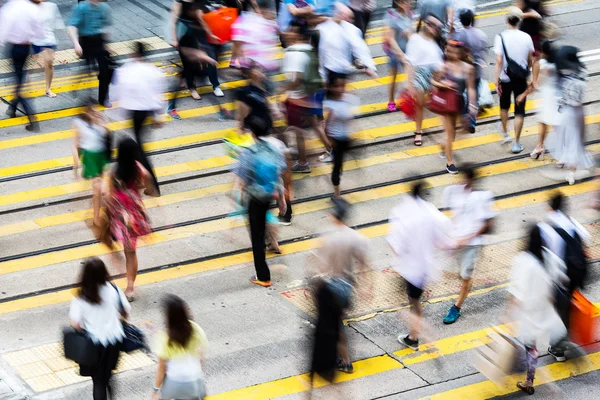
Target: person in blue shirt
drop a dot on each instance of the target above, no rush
(89, 22)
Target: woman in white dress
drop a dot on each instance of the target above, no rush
(45, 47)
(569, 146)
(545, 80)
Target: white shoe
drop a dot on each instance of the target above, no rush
(218, 92)
(326, 157)
(571, 178)
(507, 139)
(516, 147)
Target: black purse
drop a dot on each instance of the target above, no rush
(134, 337)
(79, 347)
(514, 70)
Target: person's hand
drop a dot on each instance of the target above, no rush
(371, 73)
(78, 50)
(155, 396)
(462, 243)
(521, 98)
(499, 88)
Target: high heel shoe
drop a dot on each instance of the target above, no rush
(537, 152)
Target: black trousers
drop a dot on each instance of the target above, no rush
(340, 147)
(102, 372)
(94, 51)
(138, 118)
(361, 20)
(19, 54)
(257, 214)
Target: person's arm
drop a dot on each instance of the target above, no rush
(75, 151)
(175, 11)
(360, 49)
(205, 27)
(531, 14)
(437, 80)
(390, 37)
(499, 67)
(472, 91)
(450, 16)
(255, 6)
(242, 112)
(147, 181)
(161, 373)
(301, 12)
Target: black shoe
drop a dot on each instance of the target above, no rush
(285, 221)
(343, 367)
(35, 128)
(557, 354)
(471, 129)
(408, 342)
(11, 112)
(451, 169)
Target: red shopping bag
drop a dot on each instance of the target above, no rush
(220, 21)
(444, 101)
(407, 104)
(581, 320)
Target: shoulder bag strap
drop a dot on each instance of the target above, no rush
(121, 308)
(504, 49)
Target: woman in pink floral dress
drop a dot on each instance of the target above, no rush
(127, 216)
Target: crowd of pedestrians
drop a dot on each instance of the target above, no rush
(443, 56)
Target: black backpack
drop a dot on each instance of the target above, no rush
(575, 259)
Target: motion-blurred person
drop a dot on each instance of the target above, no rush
(531, 21)
(459, 7)
(399, 28)
(341, 43)
(424, 57)
(21, 24)
(472, 215)
(569, 145)
(544, 79)
(88, 29)
(340, 108)
(566, 238)
(127, 216)
(45, 47)
(97, 310)
(441, 9)
(456, 76)
(343, 249)
(294, 12)
(260, 169)
(180, 351)
(362, 10)
(417, 231)
(514, 57)
(255, 38)
(535, 275)
(90, 143)
(140, 87)
(475, 40)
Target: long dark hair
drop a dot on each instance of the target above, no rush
(178, 321)
(129, 153)
(93, 276)
(535, 243)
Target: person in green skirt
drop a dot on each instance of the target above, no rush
(91, 145)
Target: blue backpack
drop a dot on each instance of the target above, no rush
(266, 167)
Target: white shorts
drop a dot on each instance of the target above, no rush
(468, 259)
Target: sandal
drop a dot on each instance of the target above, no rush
(526, 388)
(418, 142)
(392, 106)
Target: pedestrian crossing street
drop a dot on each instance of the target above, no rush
(200, 252)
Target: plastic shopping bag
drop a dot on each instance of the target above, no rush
(485, 99)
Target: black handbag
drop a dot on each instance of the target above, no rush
(514, 70)
(79, 347)
(134, 337)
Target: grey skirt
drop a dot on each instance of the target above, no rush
(194, 390)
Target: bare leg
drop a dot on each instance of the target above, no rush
(504, 120)
(420, 100)
(336, 192)
(519, 119)
(300, 134)
(48, 57)
(450, 128)
(465, 289)
(417, 314)
(320, 130)
(343, 348)
(393, 72)
(96, 199)
(131, 264)
(542, 136)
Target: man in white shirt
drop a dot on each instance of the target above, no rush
(20, 25)
(472, 214)
(518, 46)
(417, 230)
(340, 42)
(139, 87)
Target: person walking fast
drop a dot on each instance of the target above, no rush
(45, 47)
(97, 309)
(21, 24)
(398, 22)
(260, 170)
(88, 29)
(180, 351)
(90, 144)
(126, 213)
(569, 145)
(139, 88)
(416, 221)
(514, 57)
(456, 77)
(531, 20)
(362, 10)
(424, 57)
(471, 214)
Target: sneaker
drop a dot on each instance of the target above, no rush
(326, 157)
(557, 354)
(506, 137)
(225, 115)
(343, 367)
(517, 147)
(32, 127)
(301, 168)
(452, 316)
(174, 115)
(218, 92)
(451, 169)
(570, 178)
(285, 221)
(392, 106)
(255, 280)
(408, 342)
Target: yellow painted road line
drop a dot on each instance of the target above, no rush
(550, 373)
(368, 134)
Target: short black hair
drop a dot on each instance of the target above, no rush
(556, 202)
(467, 18)
(513, 21)
(417, 189)
(257, 125)
(469, 171)
(340, 209)
(140, 49)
